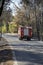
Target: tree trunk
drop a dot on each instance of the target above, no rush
(37, 26)
(7, 27)
(1, 8)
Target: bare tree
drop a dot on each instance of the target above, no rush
(33, 5)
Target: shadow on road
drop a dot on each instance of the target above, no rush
(23, 56)
(5, 55)
(26, 56)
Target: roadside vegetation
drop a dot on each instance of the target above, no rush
(27, 13)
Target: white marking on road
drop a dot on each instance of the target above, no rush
(15, 62)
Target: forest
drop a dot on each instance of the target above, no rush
(26, 13)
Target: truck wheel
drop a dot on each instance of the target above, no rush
(20, 38)
(29, 39)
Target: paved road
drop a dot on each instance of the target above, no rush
(25, 52)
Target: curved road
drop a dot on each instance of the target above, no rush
(25, 52)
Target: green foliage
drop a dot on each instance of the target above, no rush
(12, 28)
(4, 29)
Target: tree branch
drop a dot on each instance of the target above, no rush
(15, 5)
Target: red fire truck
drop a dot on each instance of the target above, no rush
(25, 32)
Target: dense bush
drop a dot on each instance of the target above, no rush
(4, 29)
(12, 28)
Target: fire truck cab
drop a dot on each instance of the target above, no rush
(25, 32)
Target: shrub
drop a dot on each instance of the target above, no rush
(4, 29)
(12, 28)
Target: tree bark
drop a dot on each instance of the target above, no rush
(7, 27)
(37, 26)
(1, 8)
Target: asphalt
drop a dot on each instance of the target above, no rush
(25, 52)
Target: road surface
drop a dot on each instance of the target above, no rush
(25, 52)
